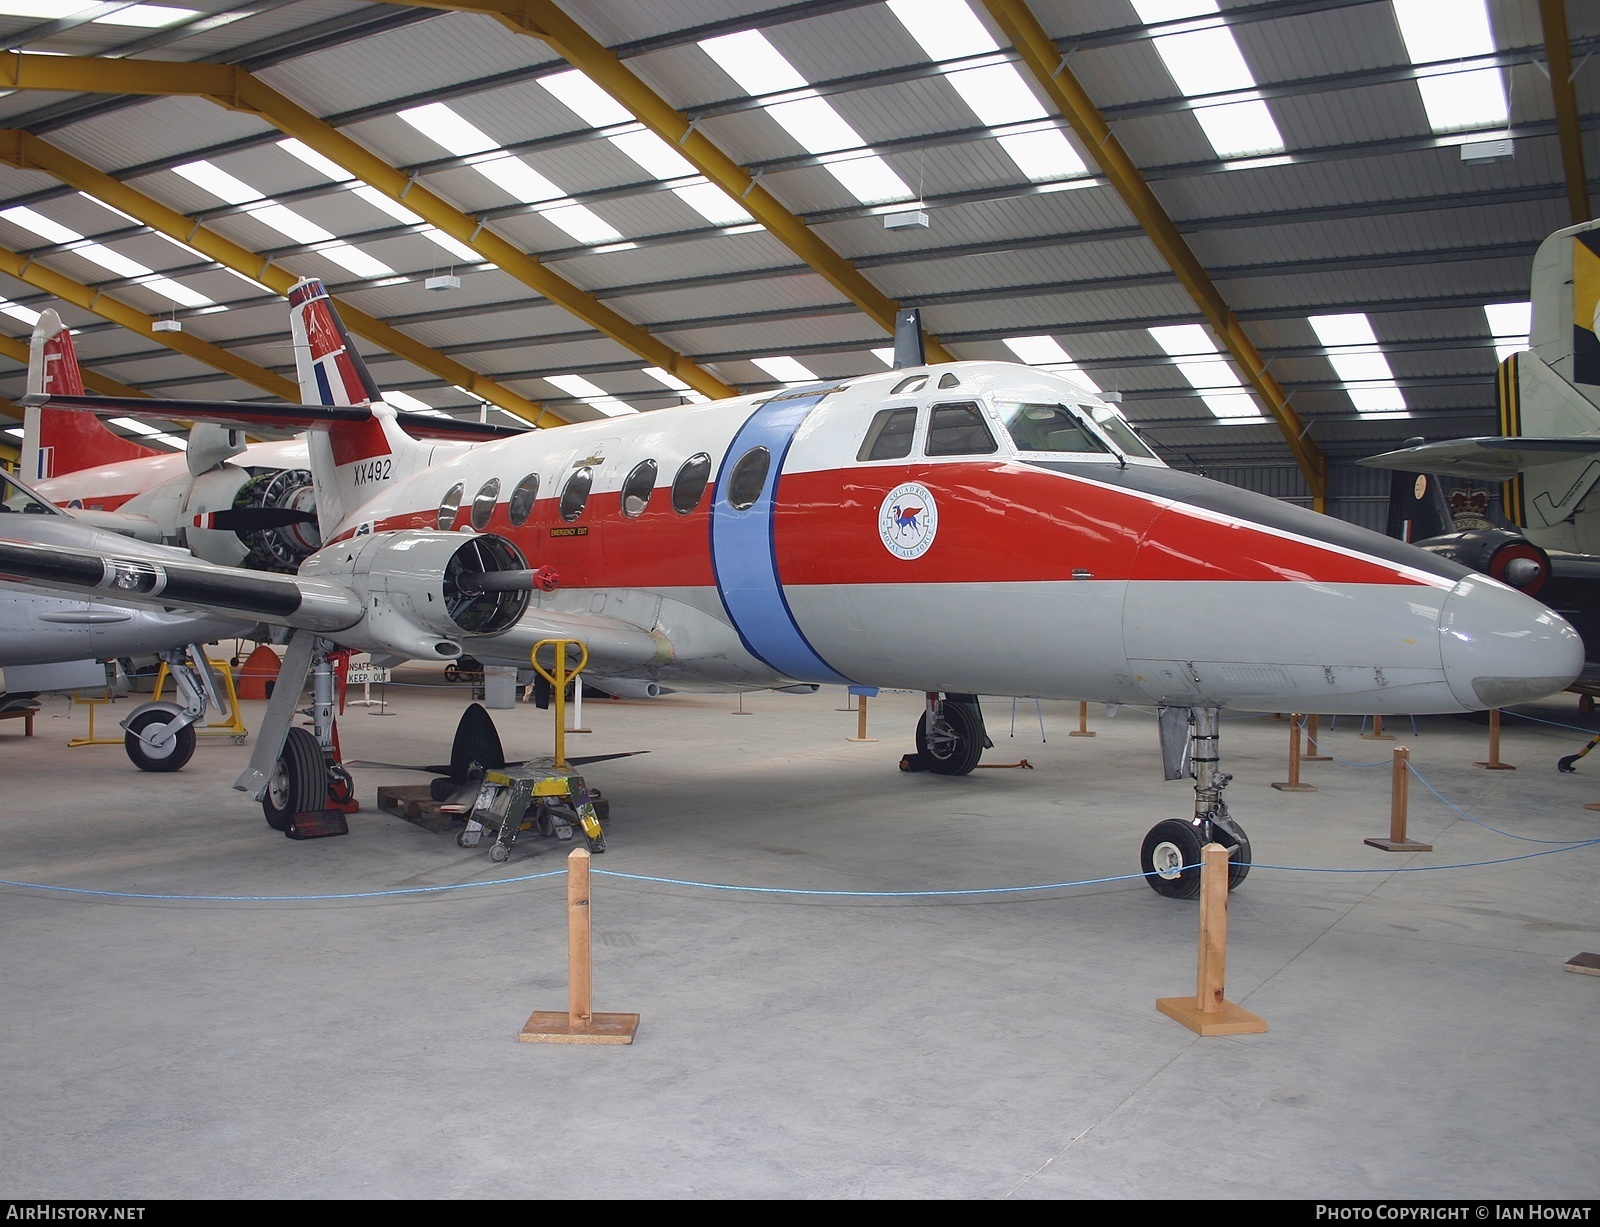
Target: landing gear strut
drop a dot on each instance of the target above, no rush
(161, 736)
(297, 770)
(1170, 857)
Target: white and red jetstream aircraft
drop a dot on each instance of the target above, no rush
(958, 529)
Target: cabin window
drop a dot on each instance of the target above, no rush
(449, 505)
(959, 430)
(949, 380)
(690, 483)
(576, 493)
(907, 386)
(1047, 428)
(1115, 425)
(522, 500)
(890, 435)
(636, 490)
(749, 475)
(483, 503)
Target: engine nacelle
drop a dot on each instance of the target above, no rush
(1497, 552)
(422, 589)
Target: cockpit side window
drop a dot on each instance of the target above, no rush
(890, 435)
(1115, 425)
(959, 430)
(1047, 428)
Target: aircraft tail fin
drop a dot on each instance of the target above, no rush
(1418, 507)
(908, 347)
(351, 461)
(56, 441)
(1536, 401)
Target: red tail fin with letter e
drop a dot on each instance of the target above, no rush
(58, 441)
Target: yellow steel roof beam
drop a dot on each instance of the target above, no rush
(237, 89)
(25, 268)
(545, 21)
(23, 149)
(1039, 52)
(1558, 53)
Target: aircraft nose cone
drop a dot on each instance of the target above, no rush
(1501, 647)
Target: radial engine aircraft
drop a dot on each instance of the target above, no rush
(956, 529)
(54, 643)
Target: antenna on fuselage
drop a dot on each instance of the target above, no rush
(908, 349)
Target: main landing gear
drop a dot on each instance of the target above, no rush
(295, 773)
(1170, 857)
(950, 736)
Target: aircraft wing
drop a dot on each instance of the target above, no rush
(1488, 458)
(249, 415)
(314, 604)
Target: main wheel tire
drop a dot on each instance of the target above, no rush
(1170, 859)
(171, 756)
(955, 743)
(299, 781)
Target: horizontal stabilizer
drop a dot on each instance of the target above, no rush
(1488, 458)
(251, 415)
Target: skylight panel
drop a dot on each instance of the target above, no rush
(172, 441)
(1209, 62)
(760, 68)
(1200, 362)
(407, 403)
(885, 355)
(653, 155)
(1509, 324)
(1433, 31)
(995, 93)
(669, 380)
(324, 166)
(945, 29)
(784, 369)
(1047, 352)
(134, 426)
(146, 16)
(43, 10)
(17, 311)
(585, 99)
(330, 169)
(590, 393)
(1356, 359)
(114, 262)
(38, 223)
(284, 220)
(510, 174)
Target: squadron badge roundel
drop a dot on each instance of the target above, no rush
(907, 520)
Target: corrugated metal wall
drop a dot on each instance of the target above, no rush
(1355, 493)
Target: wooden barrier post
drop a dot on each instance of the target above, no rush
(1314, 752)
(1494, 763)
(1083, 720)
(1399, 792)
(862, 694)
(580, 1024)
(1294, 784)
(1377, 733)
(1209, 1012)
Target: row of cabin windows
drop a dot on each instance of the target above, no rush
(953, 430)
(687, 489)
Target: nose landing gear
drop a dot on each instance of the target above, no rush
(1170, 856)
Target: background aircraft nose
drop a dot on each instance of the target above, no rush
(1501, 647)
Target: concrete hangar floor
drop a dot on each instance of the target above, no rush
(1424, 1038)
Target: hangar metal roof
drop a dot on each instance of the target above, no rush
(649, 203)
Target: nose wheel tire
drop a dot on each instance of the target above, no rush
(954, 743)
(170, 754)
(299, 781)
(1170, 858)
